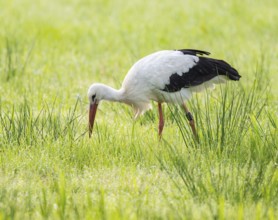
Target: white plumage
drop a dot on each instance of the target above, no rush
(148, 76)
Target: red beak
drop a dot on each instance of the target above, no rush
(92, 115)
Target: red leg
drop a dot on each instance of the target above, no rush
(191, 121)
(161, 120)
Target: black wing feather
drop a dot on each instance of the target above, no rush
(204, 70)
(194, 52)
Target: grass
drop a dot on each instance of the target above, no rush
(51, 51)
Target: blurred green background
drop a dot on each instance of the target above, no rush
(70, 44)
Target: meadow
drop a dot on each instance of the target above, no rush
(51, 51)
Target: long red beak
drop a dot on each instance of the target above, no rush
(92, 115)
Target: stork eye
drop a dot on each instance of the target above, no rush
(93, 97)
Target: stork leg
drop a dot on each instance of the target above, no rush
(161, 120)
(191, 120)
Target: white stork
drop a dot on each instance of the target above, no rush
(169, 76)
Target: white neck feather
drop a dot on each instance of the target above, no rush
(110, 94)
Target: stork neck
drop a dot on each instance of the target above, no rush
(112, 94)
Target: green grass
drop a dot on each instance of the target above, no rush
(51, 51)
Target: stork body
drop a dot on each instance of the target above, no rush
(169, 76)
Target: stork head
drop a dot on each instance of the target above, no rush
(95, 95)
(98, 92)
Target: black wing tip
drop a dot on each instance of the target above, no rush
(224, 68)
(193, 52)
(233, 74)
